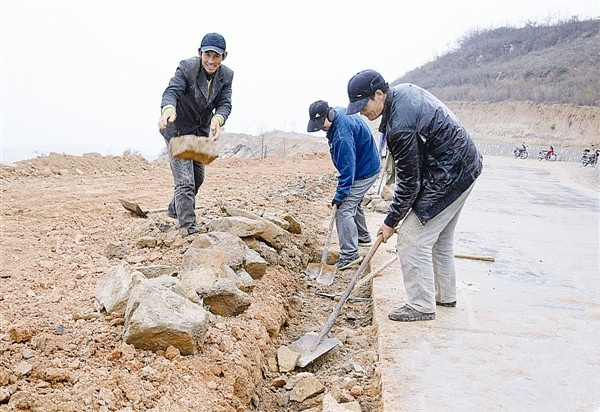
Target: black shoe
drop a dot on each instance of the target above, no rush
(365, 244)
(192, 230)
(408, 314)
(348, 263)
(448, 304)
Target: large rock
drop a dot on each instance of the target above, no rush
(287, 359)
(295, 226)
(307, 387)
(113, 289)
(210, 259)
(264, 250)
(242, 279)
(156, 318)
(224, 298)
(282, 223)
(254, 264)
(237, 225)
(232, 246)
(331, 405)
(273, 235)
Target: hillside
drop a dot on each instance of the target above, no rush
(557, 63)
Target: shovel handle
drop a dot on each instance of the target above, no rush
(331, 319)
(328, 238)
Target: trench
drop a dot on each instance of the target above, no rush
(348, 373)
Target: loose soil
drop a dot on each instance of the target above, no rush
(60, 216)
(60, 219)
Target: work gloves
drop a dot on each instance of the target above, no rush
(336, 202)
(168, 116)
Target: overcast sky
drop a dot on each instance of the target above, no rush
(88, 76)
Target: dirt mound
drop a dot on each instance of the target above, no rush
(88, 164)
(63, 231)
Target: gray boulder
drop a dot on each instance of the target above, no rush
(113, 289)
(157, 317)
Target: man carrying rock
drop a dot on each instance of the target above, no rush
(354, 155)
(436, 167)
(196, 101)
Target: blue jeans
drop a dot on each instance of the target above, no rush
(350, 220)
(187, 177)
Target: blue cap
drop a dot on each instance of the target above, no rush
(214, 42)
(361, 87)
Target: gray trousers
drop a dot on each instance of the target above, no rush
(187, 177)
(426, 255)
(350, 220)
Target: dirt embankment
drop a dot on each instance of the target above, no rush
(60, 213)
(560, 125)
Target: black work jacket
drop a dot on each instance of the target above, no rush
(436, 159)
(188, 92)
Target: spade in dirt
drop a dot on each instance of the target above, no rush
(138, 211)
(323, 272)
(311, 345)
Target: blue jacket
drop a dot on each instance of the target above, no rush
(353, 151)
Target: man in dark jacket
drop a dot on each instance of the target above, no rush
(196, 101)
(436, 167)
(354, 155)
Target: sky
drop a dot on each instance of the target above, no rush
(88, 76)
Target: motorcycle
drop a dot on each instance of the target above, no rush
(547, 155)
(589, 158)
(520, 152)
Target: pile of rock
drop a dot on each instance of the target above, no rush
(218, 274)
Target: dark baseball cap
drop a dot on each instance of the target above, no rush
(361, 87)
(214, 42)
(317, 113)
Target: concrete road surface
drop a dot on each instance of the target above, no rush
(525, 335)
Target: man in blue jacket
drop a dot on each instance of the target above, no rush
(196, 101)
(354, 155)
(436, 167)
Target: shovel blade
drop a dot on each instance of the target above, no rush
(323, 273)
(133, 208)
(309, 351)
(327, 275)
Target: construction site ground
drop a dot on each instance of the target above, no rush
(524, 335)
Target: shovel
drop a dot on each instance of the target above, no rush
(311, 345)
(323, 272)
(136, 210)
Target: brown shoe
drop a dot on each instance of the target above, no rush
(408, 314)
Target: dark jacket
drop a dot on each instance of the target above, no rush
(436, 159)
(353, 151)
(188, 92)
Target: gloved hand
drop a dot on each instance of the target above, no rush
(168, 116)
(386, 232)
(336, 202)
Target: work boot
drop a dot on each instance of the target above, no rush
(348, 263)
(408, 314)
(447, 304)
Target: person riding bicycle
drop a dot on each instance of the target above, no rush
(549, 152)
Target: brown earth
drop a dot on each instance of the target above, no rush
(60, 216)
(563, 125)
